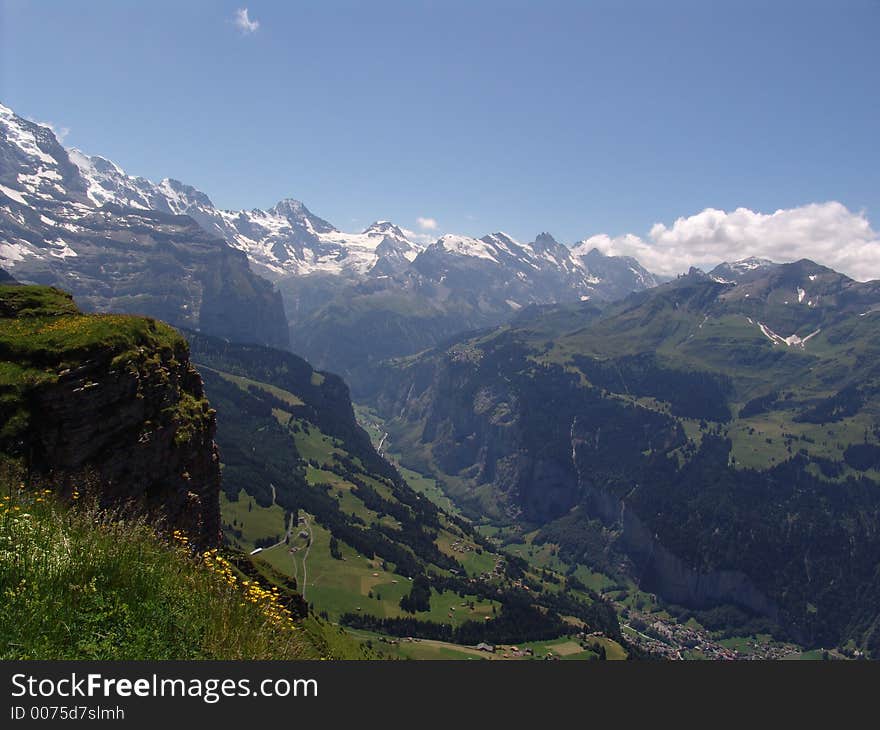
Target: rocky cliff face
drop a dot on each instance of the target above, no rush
(541, 445)
(144, 430)
(114, 407)
(659, 570)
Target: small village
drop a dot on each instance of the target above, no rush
(671, 640)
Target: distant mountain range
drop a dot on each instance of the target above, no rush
(126, 243)
(289, 240)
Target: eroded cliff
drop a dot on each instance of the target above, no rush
(108, 401)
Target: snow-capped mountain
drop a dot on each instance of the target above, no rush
(287, 239)
(120, 243)
(737, 271)
(82, 222)
(613, 276)
(290, 240)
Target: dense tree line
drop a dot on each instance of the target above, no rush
(690, 394)
(518, 621)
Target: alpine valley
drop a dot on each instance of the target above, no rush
(468, 448)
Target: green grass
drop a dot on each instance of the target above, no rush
(42, 335)
(315, 445)
(565, 648)
(28, 301)
(79, 583)
(344, 586)
(284, 396)
(426, 486)
(55, 342)
(251, 520)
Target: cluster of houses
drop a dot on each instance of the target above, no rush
(496, 572)
(512, 652)
(672, 640)
(394, 642)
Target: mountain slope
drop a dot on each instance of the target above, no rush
(119, 252)
(110, 507)
(305, 487)
(717, 437)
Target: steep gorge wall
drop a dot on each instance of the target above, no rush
(545, 445)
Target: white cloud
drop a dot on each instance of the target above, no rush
(828, 233)
(427, 224)
(244, 23)
(59, 132)
(426, 239)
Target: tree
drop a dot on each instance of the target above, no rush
(419, 597)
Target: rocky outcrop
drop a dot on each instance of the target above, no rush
(143, 432)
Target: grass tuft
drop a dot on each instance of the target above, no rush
(80, 583)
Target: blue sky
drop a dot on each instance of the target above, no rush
(574, 117)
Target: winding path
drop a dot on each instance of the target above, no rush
(305, 579)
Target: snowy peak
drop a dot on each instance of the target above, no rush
(108, 183)
(298, 215)
(545, 242)
(34, 165)
(385, 228)
(466, 246)
(289, 240)
(615, 276)
(732, 272)
(500, 238)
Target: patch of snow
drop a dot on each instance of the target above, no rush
(64, 251)
(791, 340)
(12, 194)
(21, 137)
(801, 294)
(466, 246)
(11, 252)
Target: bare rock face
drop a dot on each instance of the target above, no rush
(144, 430)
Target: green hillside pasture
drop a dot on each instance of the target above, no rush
(343, 586)
(254, 522)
